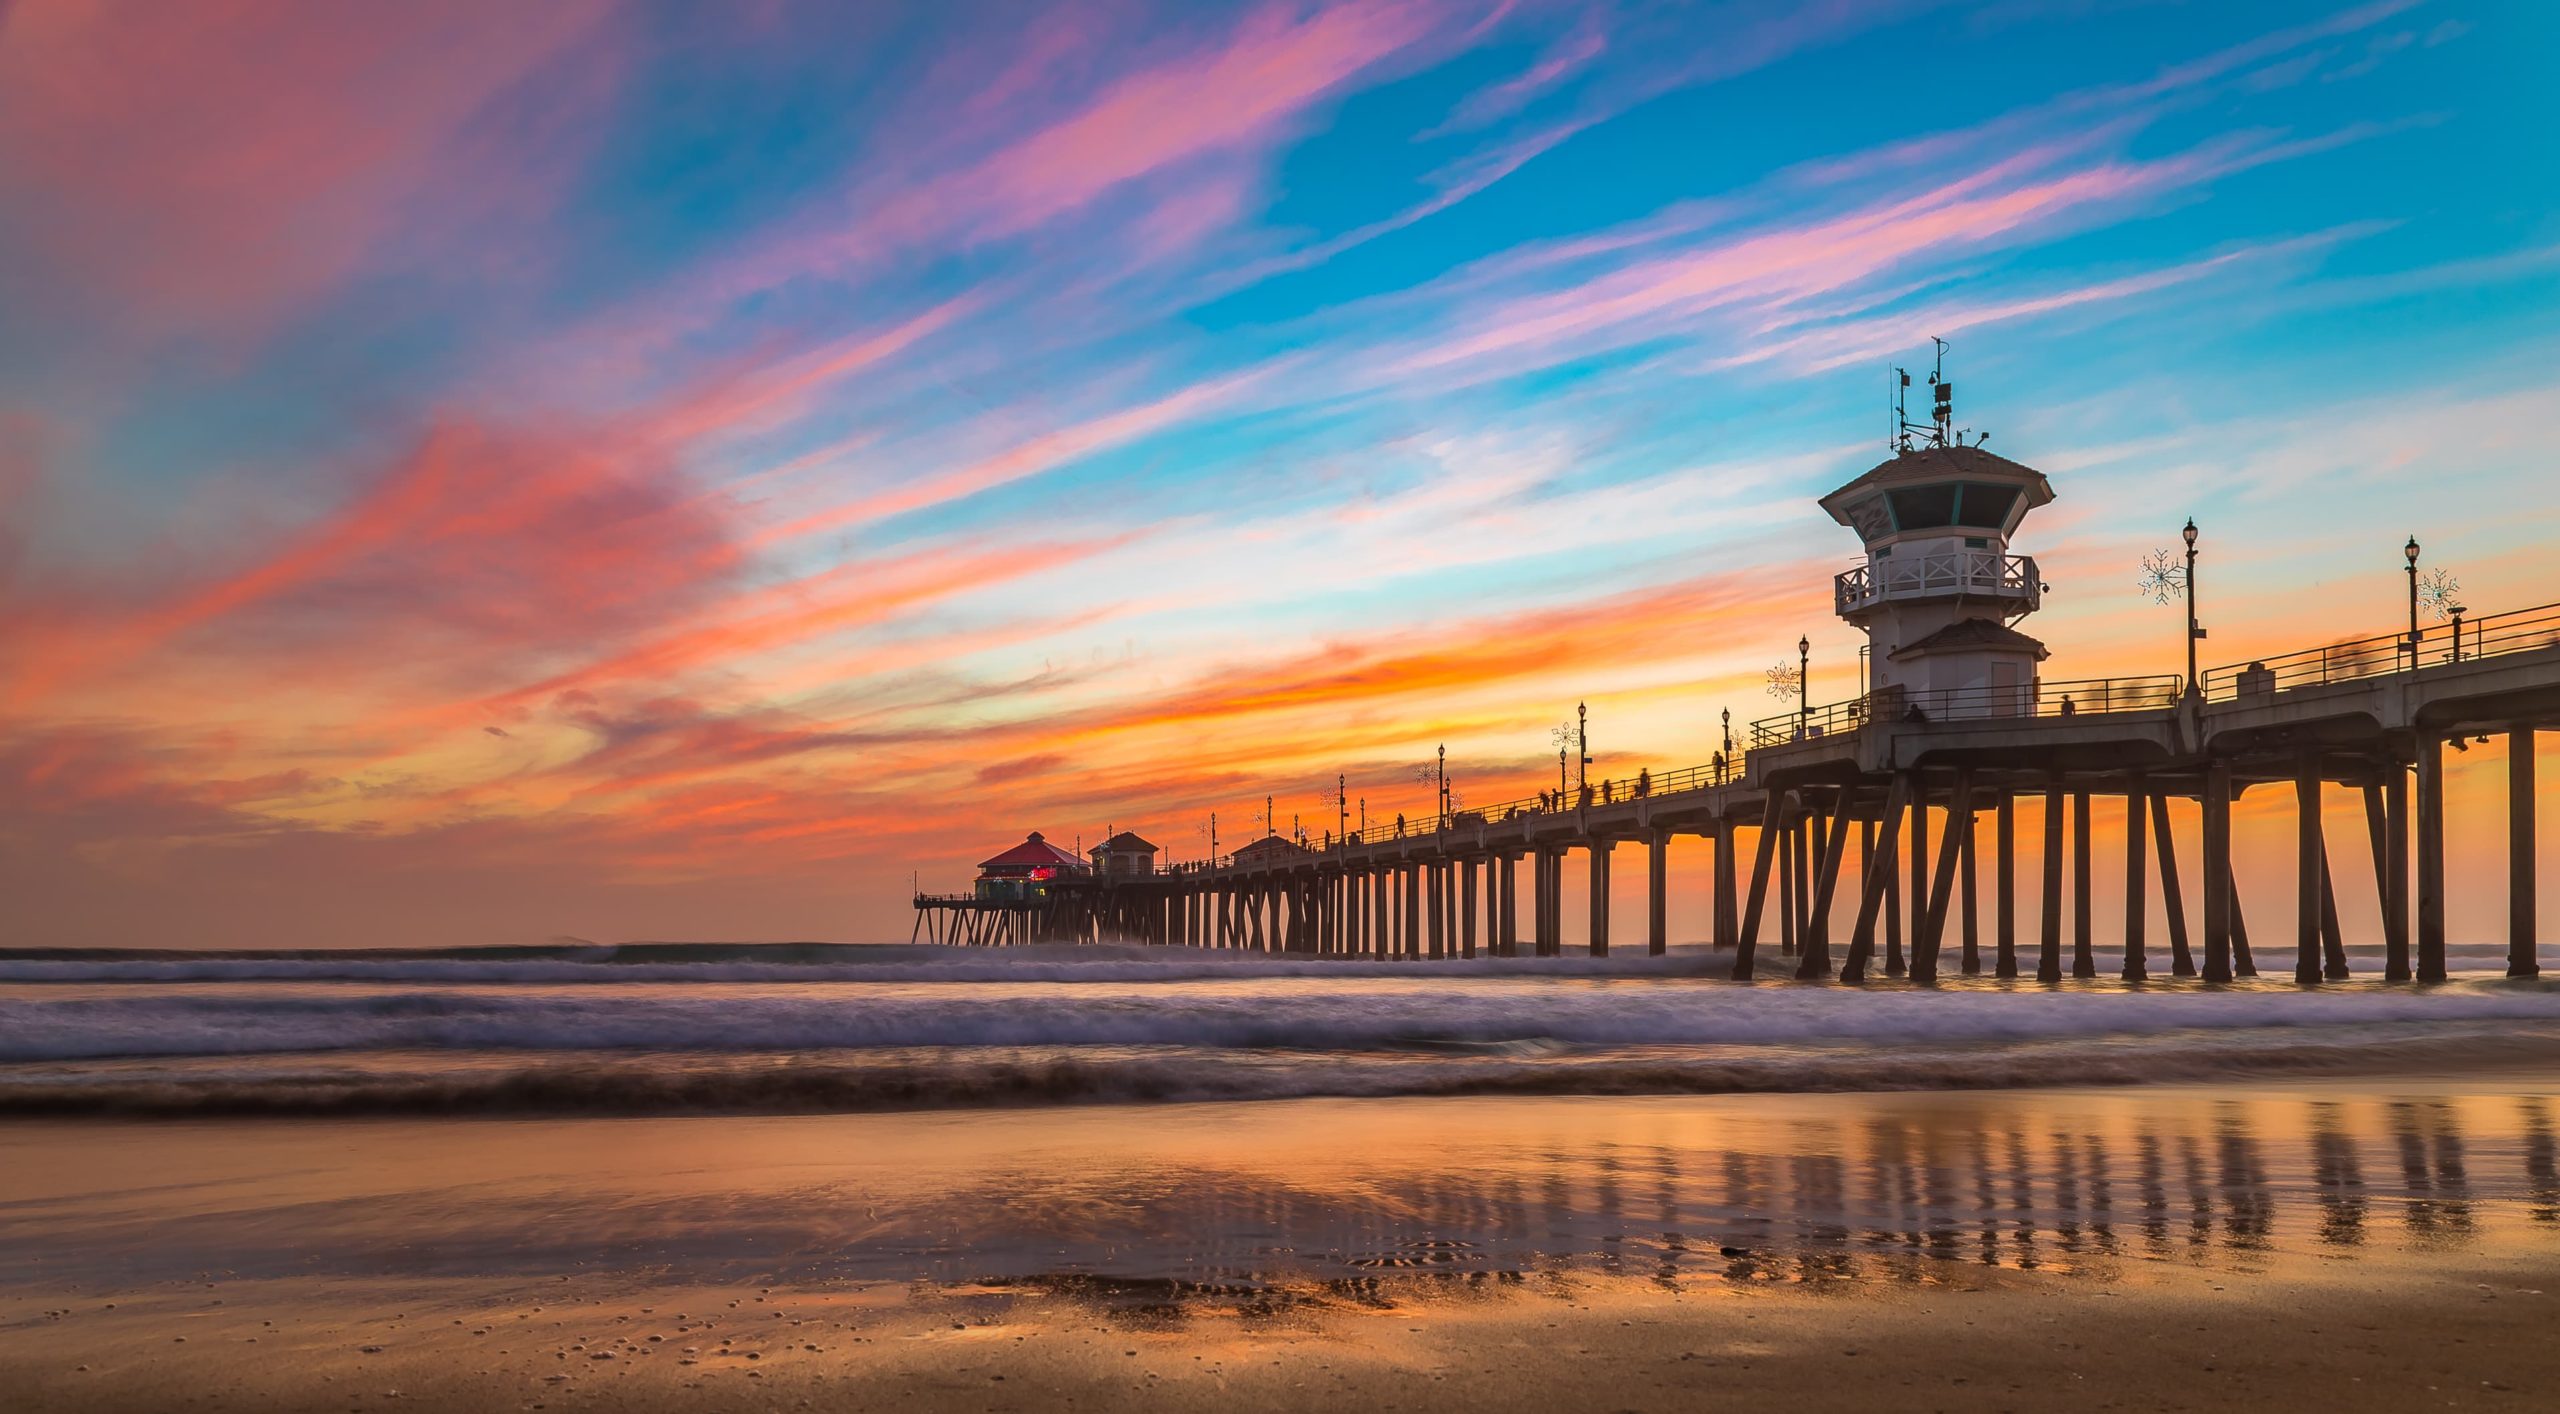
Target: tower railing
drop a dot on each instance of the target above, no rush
(1986, 574)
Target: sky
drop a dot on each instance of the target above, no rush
(475, 473)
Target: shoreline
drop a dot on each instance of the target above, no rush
(2329, 1240)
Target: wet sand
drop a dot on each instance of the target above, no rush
(2368, 1246)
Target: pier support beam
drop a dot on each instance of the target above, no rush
(2522, 960)
(1790, 906)
(2173, 900)
(1506, 928)
(1920, 878)
(2431, 965)
(1728, 919)
(1968, 880)
(1657, 892)
(2309, 862)
(1747, 940)
(1933, 926)
(1467, 869)
(2049, 937)
(2386, 822)
(1817, 930)
(2004, 910)
(1600, 898)
(2217, 872)
(2137, 910)
(2084, 960)
(1879, 878)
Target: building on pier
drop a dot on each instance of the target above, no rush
(1269, 850)
(1026, 871)
(1123, 856)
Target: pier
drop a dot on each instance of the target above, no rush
(1917, 780)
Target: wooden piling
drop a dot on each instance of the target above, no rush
(1924, 949)
(2173, 900)
(2309, 856)
(1816, 961)
(2216, 850)
(2084, 959)
(1657, 891)
(1599, 897)
(2431, 959)
(1765, 851)
(2137, 910)
(2004, 911)
(1879, 876)
(2049, 938)
(2522, 960)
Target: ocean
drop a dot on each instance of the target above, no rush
(672, 1029)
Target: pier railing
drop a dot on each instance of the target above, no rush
(1967, 704)
(2518, 631)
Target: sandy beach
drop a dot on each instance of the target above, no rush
(2358, 1245)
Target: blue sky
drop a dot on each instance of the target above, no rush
(652, 459)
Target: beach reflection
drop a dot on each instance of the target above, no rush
(1250, 1208)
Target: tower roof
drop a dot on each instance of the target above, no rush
(1971, 633)
(1126, 841)
(1862, 504)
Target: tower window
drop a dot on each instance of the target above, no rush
(1924, 507)
(1985, 504)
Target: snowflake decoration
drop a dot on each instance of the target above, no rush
(2436, 590)
(2163, 577)
(1786, 680)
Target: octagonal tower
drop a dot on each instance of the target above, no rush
(1939, 590)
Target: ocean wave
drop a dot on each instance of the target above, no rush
(644, 1086)
(1330, 1019)
(883, 963)
(887, 963)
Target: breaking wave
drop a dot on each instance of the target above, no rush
(652, 1085)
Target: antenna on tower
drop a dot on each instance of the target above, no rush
(1940, 429)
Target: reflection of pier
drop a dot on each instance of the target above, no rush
(1897, 1197)
(1866, 816)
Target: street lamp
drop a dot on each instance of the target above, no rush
(1804, 684)
(2193, 631)
(2410, 550)
(1725, 756)
(1582, 742)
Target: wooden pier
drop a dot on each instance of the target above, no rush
(1958, 725)
(1907, 794)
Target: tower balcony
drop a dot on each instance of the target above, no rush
(1960, 574)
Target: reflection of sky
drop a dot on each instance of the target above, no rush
(1872, 1188)
(648, 474)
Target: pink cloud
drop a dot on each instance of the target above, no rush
(204, 166)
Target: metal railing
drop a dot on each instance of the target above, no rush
(2350, 660)
(1967, 704)
(1982, 573)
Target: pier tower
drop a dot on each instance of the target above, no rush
(1939, 593)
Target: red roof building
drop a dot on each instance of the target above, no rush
(1024, 871)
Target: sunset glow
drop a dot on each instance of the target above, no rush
(478, 472)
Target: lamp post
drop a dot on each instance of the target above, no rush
(2194, 632)
(1725, 757)
(1582, 742)
(1804, 684)
(2410, 551)
(1443, 787)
